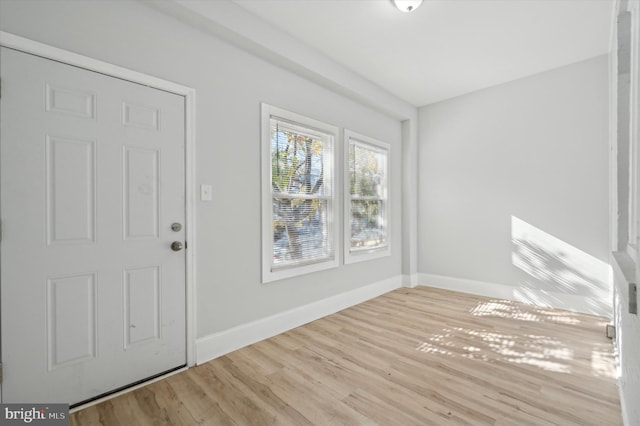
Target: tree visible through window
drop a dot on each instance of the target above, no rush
(367, 198)
(301, 189)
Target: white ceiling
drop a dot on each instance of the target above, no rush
(445, 48)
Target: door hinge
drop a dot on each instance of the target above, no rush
(0, 373)
(0, 230)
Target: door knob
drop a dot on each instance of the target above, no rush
(176, 246)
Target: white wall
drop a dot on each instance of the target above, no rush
(230, 85)
(513, 190)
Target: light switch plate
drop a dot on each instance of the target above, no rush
(206, 192)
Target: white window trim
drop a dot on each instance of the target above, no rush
(634, 132)
(375, 253)
(269, 274)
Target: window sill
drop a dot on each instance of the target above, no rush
(269, 275)
(363, 256)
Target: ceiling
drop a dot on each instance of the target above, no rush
(445, 48)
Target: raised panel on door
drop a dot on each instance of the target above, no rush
(143, 116)
(70, 101)
(141, 198)
(91, 178)
(141, 305)
(71, 319)
(70, 187)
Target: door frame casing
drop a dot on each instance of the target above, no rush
(25, 45)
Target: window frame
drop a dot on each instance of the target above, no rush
(269, 273)
(633, 8)
(363, 255)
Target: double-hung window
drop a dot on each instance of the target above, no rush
(366, 198)
(298, 188)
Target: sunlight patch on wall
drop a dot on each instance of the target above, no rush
(557, 270)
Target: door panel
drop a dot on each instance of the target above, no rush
(70, 185)
(141, 305)
(140, 201)
(71, 319)
(91, 179)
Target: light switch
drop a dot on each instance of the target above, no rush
(206, 192)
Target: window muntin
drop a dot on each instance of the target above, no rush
(367, 215)
(299, 230)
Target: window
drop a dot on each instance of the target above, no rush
(366, 198)
(298, 187)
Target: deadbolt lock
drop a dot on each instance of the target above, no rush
(176, 227)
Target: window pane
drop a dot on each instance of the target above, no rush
(301, 226)
(298, 195)
(367, 169)
(297, 162)
(367, 224)
(300, 231)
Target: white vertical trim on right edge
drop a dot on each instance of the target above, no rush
(613, 132)
(634, 187)
(191, 223)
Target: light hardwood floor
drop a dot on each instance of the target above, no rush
(417, 356)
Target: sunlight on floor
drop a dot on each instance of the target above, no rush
(539, 351)
(602, 362)
(506, 309)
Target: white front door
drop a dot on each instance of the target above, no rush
(92, 178)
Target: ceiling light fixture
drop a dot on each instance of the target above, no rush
(407, 5)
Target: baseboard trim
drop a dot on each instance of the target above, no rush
(532, 296)
(218, 344)
(410, 281)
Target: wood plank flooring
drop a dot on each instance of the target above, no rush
(418, 356)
